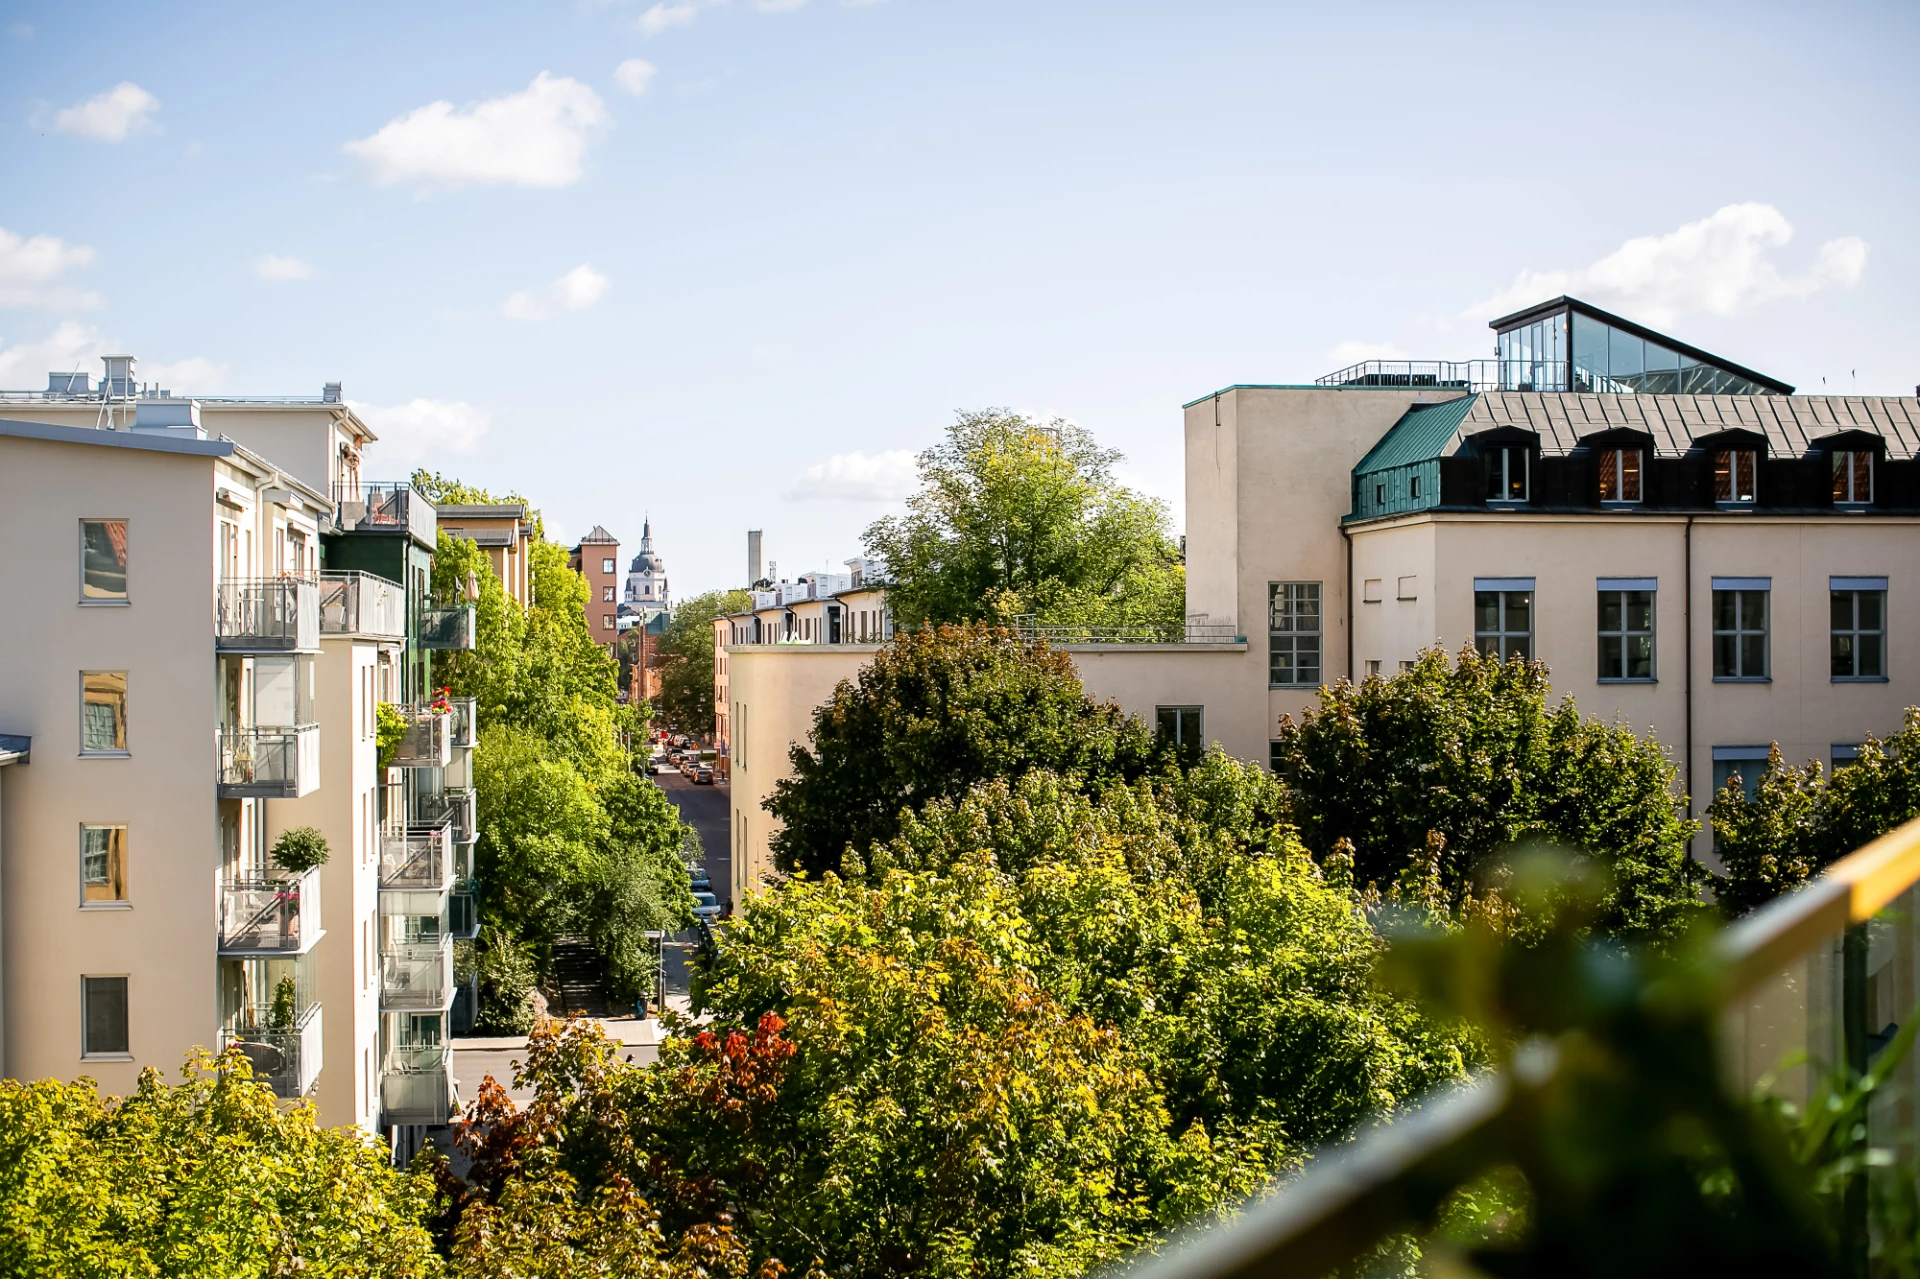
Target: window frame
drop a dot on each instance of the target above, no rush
(125, 1051)
(1857, 587)
(1613, 465)
(1499, 461)
(1294, 634)
(607, 566)
(1749, 783)
(125, 597)
(1178, 736)
(1849, 473)
(1732, 458)
(125, 900)
(1624, 586)
(1505, 588)
(1740, 587)
(121, 751)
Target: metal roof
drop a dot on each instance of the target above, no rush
(1790, 423)
(1423, 431)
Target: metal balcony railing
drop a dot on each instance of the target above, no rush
(429, 740)
(1805, 984)
(417, 976)
(446, 627)
(267, 615)
(270, 914)
(416, 1086)
(466, 722)
(269, 763)
(416, 860)
(289, 1060)
(375, 506)
(362, 604)
(1176, 633)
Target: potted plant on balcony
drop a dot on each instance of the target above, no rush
(296, 852)
(390, 729)
(442, 703)
(286, 996)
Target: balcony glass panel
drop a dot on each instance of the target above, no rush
(417, 976)
(416, 859)
(267, 615)
(269, 763)
(428, 742)
(383, 506)
(270, 913)
(362, 604)
(446, 627)
(466, 722)
(289, 1059)
(416, 1085)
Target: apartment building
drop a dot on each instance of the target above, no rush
(504, 532)
(1692, 548)
(311, 595)
(597, 558)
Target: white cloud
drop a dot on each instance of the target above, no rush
(30, 272)
(633, 74)
(534, 138)
(421, 430)
(668, 14)
(858, 477)
(1717, 266)
(282, 270)
(111, 116)
(577, 290)
(76, 348)
(777, 6)
(1353, 351)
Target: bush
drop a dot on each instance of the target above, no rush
(506, 985)
(389, 729)
(299, 850)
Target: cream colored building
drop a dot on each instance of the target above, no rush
(1692, 549)
(503, 531)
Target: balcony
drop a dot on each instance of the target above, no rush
(267, 615)
(466, 722)
(417, 977)
(288, 1059)
(416, 1086)
(416, 861)
(269, 763)
(428, 742)
(446, 627)
(384, 507)
(364, 605)
(270, 914)
(454, 809)
(463, 911)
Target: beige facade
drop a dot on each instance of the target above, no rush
(504, 533)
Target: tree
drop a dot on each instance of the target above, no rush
(933, 713)
(1800, 821)
(208, 1178)
(1016, 517)
(1442, 769)
(686, 649)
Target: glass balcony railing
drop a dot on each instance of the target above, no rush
(272, 913)
(362, 604)
(417, 860)
(288, 1059)
(466, 723)
(417, 976)
(269, 763)
(446, 627)
(428, 742)
(375, 506)
(269, 615)
(463, 911)
(416, 1086)
(1802, 1003)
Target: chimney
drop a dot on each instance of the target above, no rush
(118, 381)
(330, 393)
(753, 556)
(68, 384)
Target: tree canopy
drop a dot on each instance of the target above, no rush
(935, 712)
(1020, 517)
(686, 677)
(1440, 770)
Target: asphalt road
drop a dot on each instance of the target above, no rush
(708, 810)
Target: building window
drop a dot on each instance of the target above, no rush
(1507, 473)
(1845, 755)
(103, 560)
(103, 1016)
(1275, 753)
(1859, 611)
(1503, 617)
(1853, 478)
(103, 712)
(1740, 628)
(1373, 667)
(1179, 724)
(1626, 630)
(606, 621)
(606, 566)
(1620, 475)
(1733, 475)
(103, 865)
(1413, 488)
(1293, 639)
(606, 595)
(1744, 762)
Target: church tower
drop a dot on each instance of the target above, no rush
(647, 576)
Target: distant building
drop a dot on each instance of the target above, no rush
(647, 578)
(597, 558)
(503, 531)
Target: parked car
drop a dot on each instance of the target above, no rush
(703, 775)
(706, 906)
(698, 881)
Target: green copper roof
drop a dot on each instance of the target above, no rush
(1422, 433)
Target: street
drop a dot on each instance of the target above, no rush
(707, 810)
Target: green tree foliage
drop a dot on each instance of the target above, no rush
(300, 849)
(1801, 821)
(206, 1179)
(686, 677)
(1016, 516)
(1440, 771)
(934, 712)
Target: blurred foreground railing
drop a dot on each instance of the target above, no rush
(1813, 984)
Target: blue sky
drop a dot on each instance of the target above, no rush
(734, 283)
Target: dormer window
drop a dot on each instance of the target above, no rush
(1733, 475)
(1853, 477)
(1620, 475)
(1507, 473)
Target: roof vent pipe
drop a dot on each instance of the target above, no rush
(330, 393)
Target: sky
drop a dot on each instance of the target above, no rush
(731, 264)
